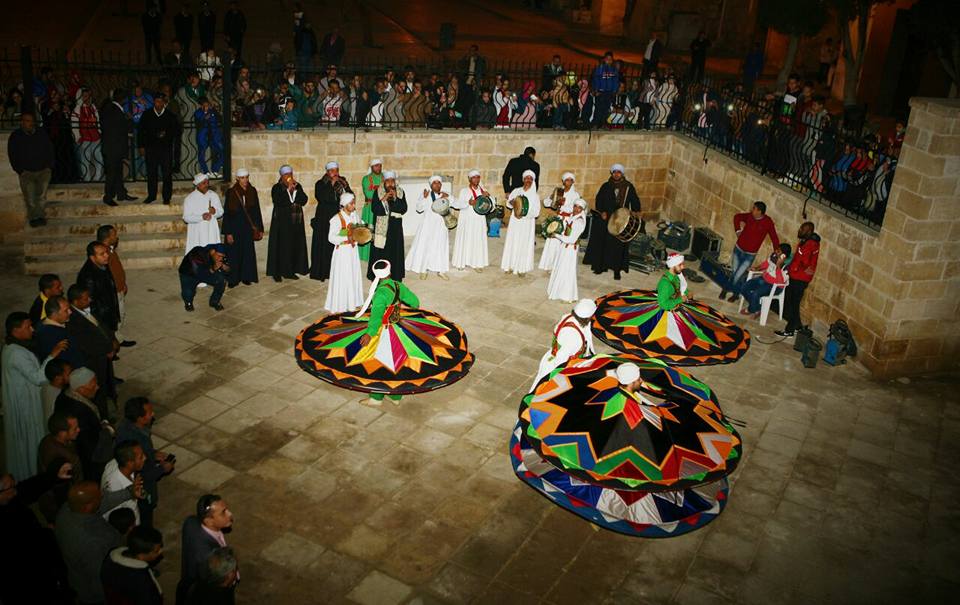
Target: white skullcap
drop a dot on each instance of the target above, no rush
(473, 173)
(529, 173)
(346, 198)
(568, 175)
(199, 178)
(674, 259)
(580, 202)
(381, 269)
(331, 166)
(435, 179)
(80, 377)
(375, 161)
(628, 373)
(286, 169)
(389, 174)
(243, 172)
(585, 308)
(617, 168)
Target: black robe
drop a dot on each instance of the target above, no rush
(604, 250)
(393, 249)
(241, 255)
(328, 205)
(287, 247)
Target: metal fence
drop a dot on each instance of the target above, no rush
(798, 143)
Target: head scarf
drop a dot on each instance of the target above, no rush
(618, 168)
(627, 373)
(199, 178)
(381, 270)
(242, 173)
(473, 173)
(389, 174)
(674, 259)
(585, 308)
(286, 169)
(331, 166)
(346, 198)
(568, 175)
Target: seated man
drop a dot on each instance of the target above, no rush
(774, 274)
(203, 265)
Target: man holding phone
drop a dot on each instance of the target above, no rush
(136, 426)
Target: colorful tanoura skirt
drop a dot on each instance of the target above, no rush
(692, 334)
(420, 352)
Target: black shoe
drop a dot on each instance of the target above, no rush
(616, 276)
(231, 286)
(128, 343)
(41, 221)
(118, 380)
(217, 307)
(246, 283)
(723, 294)
(277, 278)
(127, 198)
(149, 200)
(733, 298)
(293, 276)
(110, 203)
(35, 222)
(166, 202)
(784, 333)
(187, 306)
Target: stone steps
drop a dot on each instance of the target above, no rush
(75, 208)
(77, 244)
(95, 192)
(125, 224)
(67, 265)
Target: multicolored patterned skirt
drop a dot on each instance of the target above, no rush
(692, 334)
(420, 352)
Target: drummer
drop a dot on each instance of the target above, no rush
(571, 338)
(470, 244)
(562, 284)
(431, 246)
(518, 250)
(605, 251)
(345, 292)
(561, 201)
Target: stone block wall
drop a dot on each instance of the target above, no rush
(13, 213)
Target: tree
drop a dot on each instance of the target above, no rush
(938, 21)
(793, 18)
(853, 14)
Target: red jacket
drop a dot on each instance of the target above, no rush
(754, 231)
(804, 263)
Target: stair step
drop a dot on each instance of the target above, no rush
(76, 245)
(69, 264)
(95, 191)
(87, 225)
(76, 208)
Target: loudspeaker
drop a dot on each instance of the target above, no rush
(719, 272)
(705, 240)
(675, 236)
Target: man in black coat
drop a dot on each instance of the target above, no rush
(31, 157)
(183, 28)
(333, 47)
(116, 127)
(159, 132)
(327, 191)
(235, 26)
(127, 573)
(287, 246)
(94, 342)
(201, 535)
(605, 251)
(95, 276)
(177, 64)
(151, 21)
(513, 174)
(207, 24)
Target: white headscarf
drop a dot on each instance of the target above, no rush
(346, 198)
(473, 173)
(531, 174)
(436, 179)
(618, 168)
(331, 166)
(242, 172)
(375, 161)
(627, 373)
(381, 270)
(199, 178)
(585, 308)
(568, 175)
(389, 174)
(286, 169)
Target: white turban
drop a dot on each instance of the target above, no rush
(473, 173)
(375, 161)
(331, 166)
(435, 179)
(585, 308)
(628, 373)
(243, 172)
(286, 169)
(199, 178)
(568, 175)
(346, 198)
(674, 259)
(617, 168)
(80, 377)
(580, 202)
(389, 174)
(381, 270)
(529, 173)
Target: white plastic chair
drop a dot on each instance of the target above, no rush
(766, 301)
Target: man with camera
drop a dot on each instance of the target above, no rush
(203, 265)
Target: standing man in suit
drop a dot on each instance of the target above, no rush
(201, 535)
(93, 342)
(159, 132)
(183, 28)
(116, 127)
(513, 173)
(95, 276)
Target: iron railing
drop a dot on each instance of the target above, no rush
(812, 152)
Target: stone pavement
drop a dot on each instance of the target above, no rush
(845, 494)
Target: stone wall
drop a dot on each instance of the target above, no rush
(899, 289)
(13, 213)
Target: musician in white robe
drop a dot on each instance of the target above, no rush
(201, 209)
(518, 250)
(431, 245)
(470, 243)
(564, 208)
(563, 278)
(571, 338)
(345, 292)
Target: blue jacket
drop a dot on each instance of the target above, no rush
(606, 78)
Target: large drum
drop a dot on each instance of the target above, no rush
(483, 205)
(521, 206)
(451, 218)
(441, 206)
(623, 225)
(361, 234)
(551, 227)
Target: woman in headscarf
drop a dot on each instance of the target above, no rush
(242, 227)
(518, 250)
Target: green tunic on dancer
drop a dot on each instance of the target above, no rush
(668, 291)
(388, 293)
(369, 184)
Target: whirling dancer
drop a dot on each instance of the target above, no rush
(393, 349)
(470, 243)
(430, 250)
(518, 250)
(345, 292)
(389, 205)
(668, 324)
(561, 201)
(571, 338)
(563, 277)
